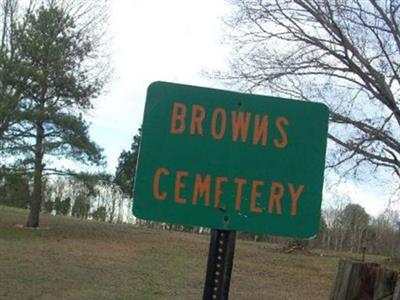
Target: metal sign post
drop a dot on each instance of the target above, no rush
(232, 162)
(219, 264)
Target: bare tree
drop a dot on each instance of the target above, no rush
(336, 232)
(384, 237)
(355, 221)
(343, 53)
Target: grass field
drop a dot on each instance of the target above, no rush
(69, 258)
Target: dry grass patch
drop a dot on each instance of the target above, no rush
(75, 259)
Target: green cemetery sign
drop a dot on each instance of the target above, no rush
(231, 161)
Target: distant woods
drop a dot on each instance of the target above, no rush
(106, 198)
(126, 169)
(350, 228)
(101, 197)
(344, 226)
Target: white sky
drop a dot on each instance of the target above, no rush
(172, 41)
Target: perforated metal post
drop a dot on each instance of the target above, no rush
(219, 265)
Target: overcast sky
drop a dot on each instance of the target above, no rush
(174, 41)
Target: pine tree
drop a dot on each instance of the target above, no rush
(9, 95)
(126, 169)
(56, 85)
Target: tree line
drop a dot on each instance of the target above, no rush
(350, 228)
(344, 226)
(103, 197)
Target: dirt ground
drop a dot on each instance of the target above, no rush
(69, 258)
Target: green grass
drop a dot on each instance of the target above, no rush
(69, 258)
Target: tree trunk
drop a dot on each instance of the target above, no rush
(336, 241)
(113, 208)
(360, 241)
(342, 235)
(36, 200)
(367, 281)
(396, 293)
(327, 240)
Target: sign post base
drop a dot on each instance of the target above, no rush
(219, 264)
